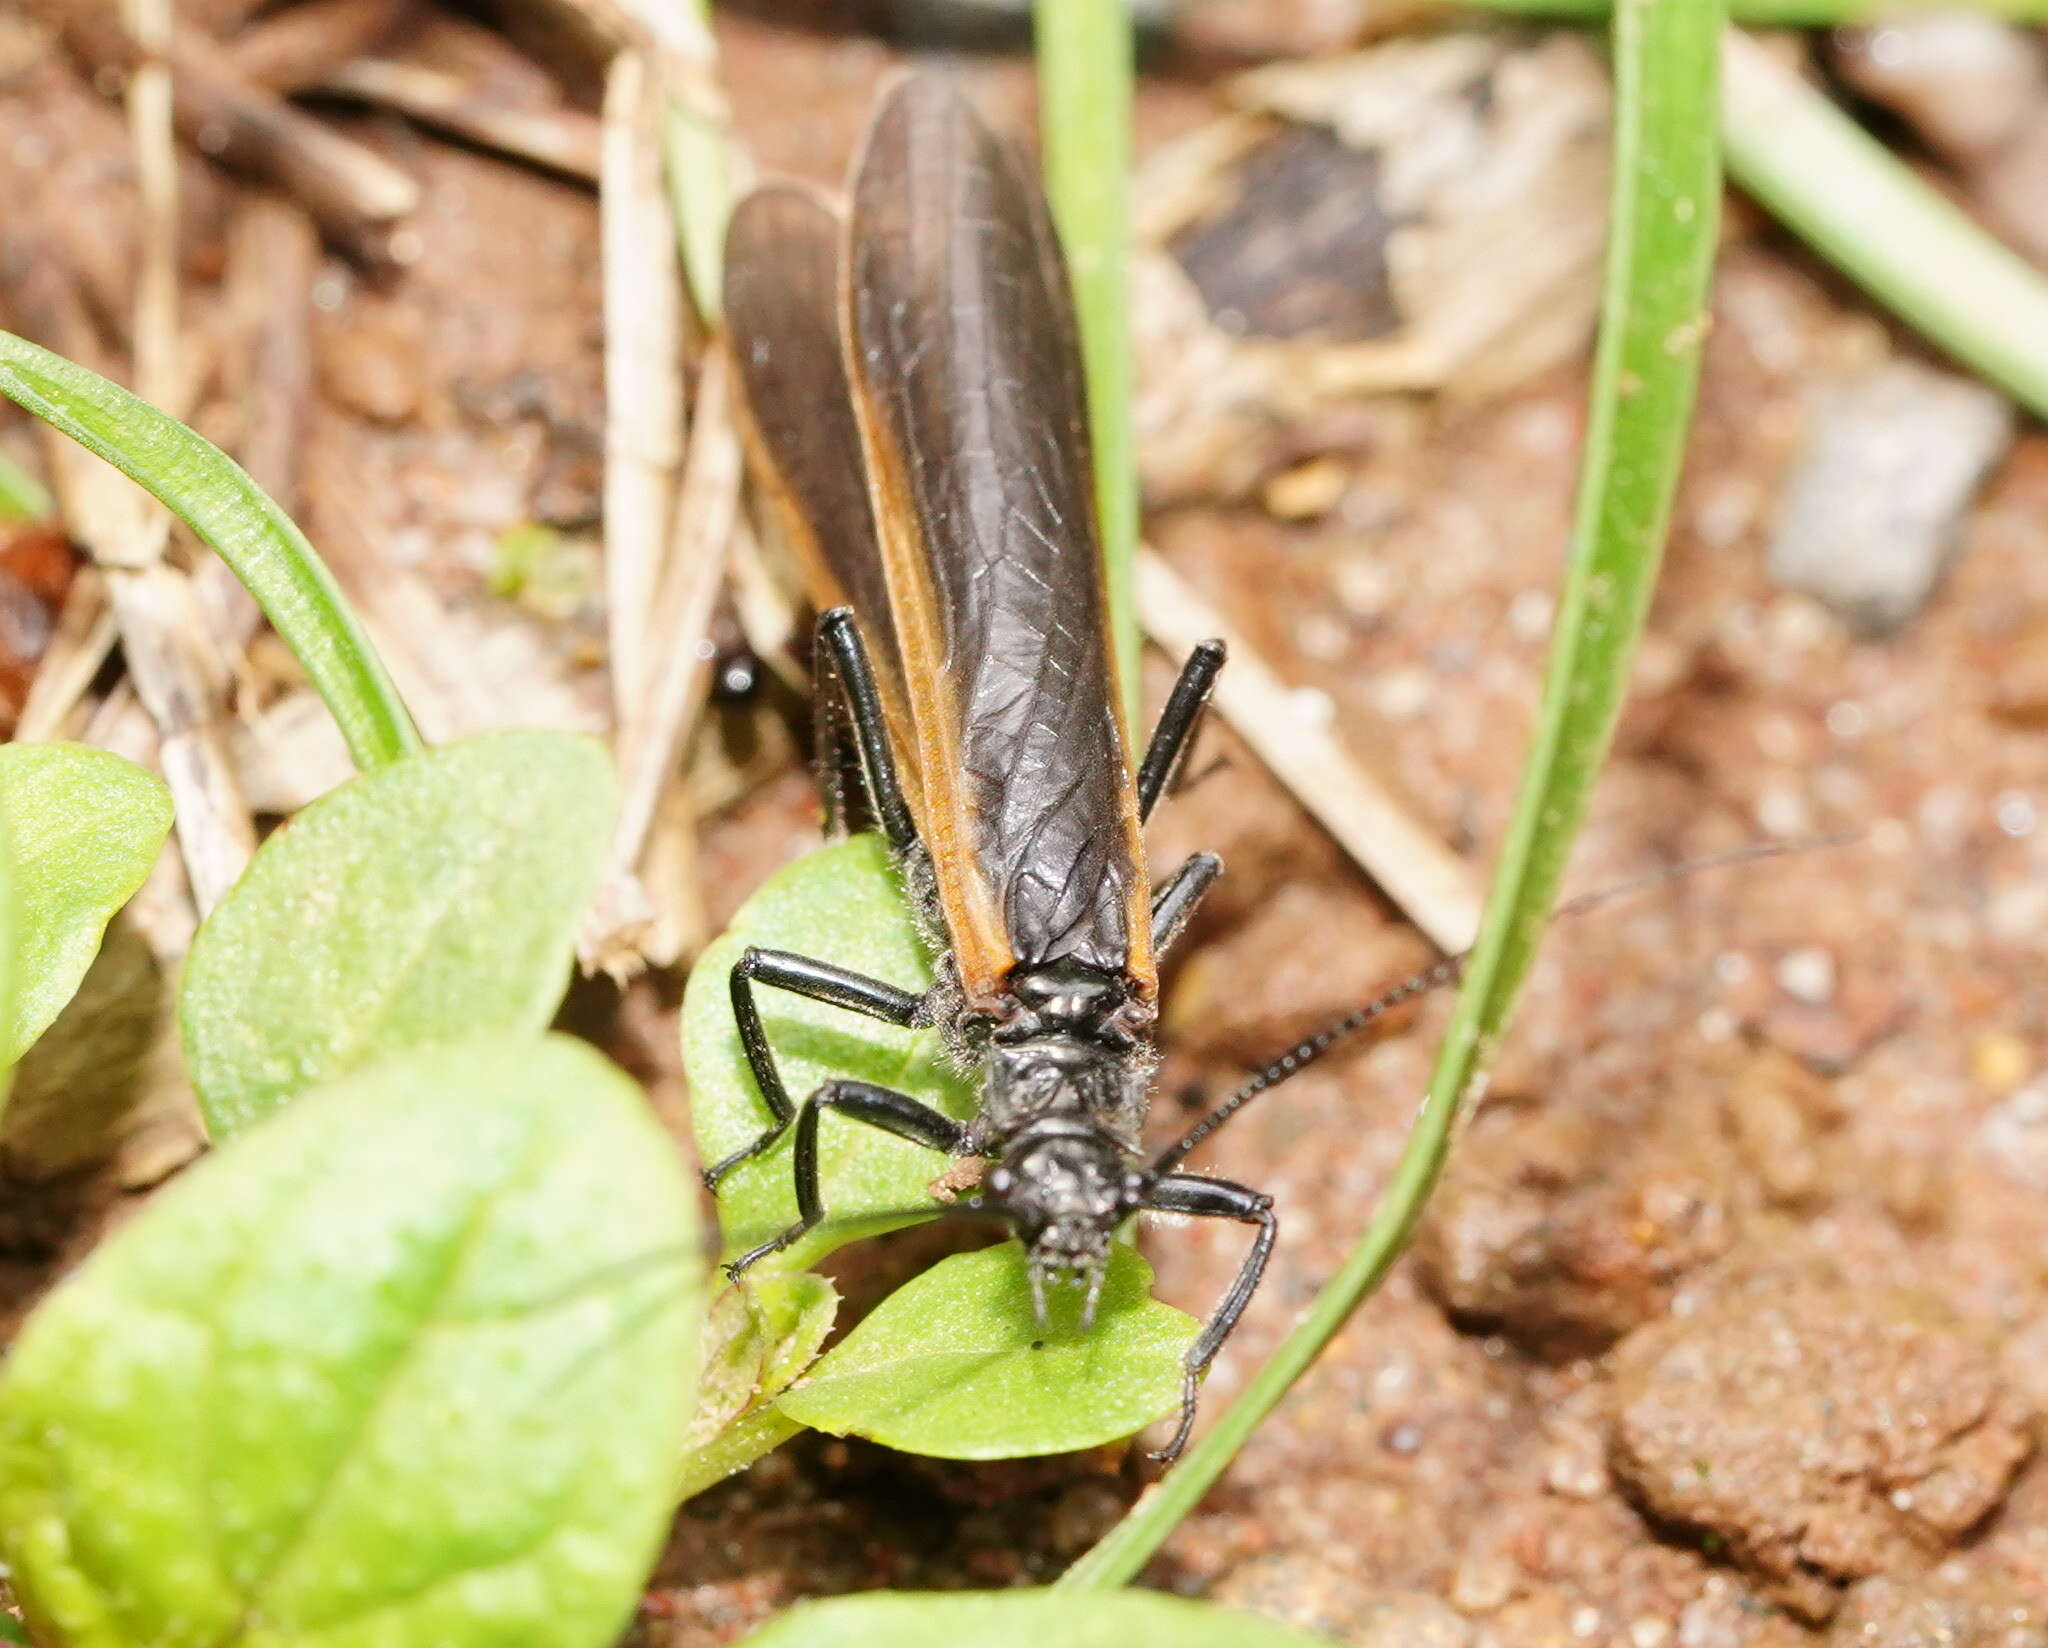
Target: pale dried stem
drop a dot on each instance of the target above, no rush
(655, 727)
(1417, 871)
(178, 675)
(562, 140)
(643, 370)
(156, 174)
(85, 634)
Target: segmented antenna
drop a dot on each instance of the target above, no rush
(1449, 970)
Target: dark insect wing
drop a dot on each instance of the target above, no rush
(782, 299)
(967, 383)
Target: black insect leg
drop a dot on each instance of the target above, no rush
(1204, 1198)
(839, 640)
(1173, 906)
(803, 976)
(882, 1107)
(835, 750)
(1177, 722)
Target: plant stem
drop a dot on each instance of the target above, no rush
(213, 495)
(699, 168)
(22, 496)
(1779, 14)
(1084, 74)
(1666, 194)
(1836, 187)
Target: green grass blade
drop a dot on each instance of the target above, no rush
(11, 933)
(210, 493)
(1666, 195)
(1084, 76)
(699, 167)
(22, 497)
(1837, 188)
(1780, 14)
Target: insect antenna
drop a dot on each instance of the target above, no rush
(1452, 968)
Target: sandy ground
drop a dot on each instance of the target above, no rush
(1730, 1324)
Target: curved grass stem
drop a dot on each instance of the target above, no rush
(1665, 202)
(22, 496)
(1777, 14)
(1084, 52)
(1863, 209)
(214, 496)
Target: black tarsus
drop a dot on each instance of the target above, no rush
(1205, 1198)
(882, 1107)
(1173, 906)
(1174, 735)
(835, 749)
(802, 976)
(839, 636)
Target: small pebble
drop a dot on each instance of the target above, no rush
(1808, 975)
(1873, 510)
(2001, 1061)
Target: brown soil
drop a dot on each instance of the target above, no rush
(1731, 1320)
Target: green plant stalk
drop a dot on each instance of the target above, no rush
(211, 494)
(1666, 194)
(1838, 189)
(22, 496)
(1084, 76)
(1778, 14)
(699, 169)
(10, 955)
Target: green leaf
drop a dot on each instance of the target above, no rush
(84, 829)
(757, 1432)
(1661, 236)
(844, 904)
(954, 1364)
(11, 1631)
(757, 1339)
(1023, 1619)
(211, 494)
(434, 898)
(409, 1366)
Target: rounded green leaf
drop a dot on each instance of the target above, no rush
(84, 828)
(954, 1364)
(844, 904)
(436, 897)
(408, 1368)
(1023, 1619)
